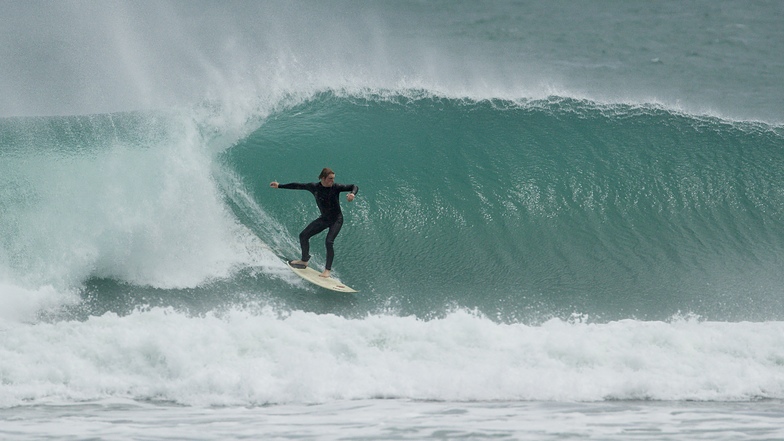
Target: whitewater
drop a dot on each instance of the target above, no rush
(569, 222)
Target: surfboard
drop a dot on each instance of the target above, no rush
(312, 276)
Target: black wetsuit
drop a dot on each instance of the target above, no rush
(328, 201)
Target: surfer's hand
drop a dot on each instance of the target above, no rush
(350, 197)
(274, 184)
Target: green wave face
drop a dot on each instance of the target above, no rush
(535, 208)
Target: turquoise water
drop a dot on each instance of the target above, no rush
(520, 210)
(546, 207)
(559, 203)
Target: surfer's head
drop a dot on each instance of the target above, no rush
(327, 177)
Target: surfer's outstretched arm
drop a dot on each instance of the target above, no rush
(292, 186)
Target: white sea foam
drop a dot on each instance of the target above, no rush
(244, 358)
(19, 304)
(146, 212)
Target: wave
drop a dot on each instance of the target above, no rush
(523, 210)
(553, 205)
(537, 219)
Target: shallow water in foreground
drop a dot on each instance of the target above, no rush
(401, 420)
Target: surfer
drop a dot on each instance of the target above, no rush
(327, 194)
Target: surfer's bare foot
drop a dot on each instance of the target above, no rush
(325, 274)
(299, 263)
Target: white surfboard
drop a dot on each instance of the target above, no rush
(312, 276)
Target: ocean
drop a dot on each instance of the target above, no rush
(569, 222)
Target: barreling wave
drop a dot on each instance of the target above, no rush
(531, 208)
(521, 210)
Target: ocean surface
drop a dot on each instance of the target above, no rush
(570, 222)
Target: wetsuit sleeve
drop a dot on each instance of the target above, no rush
(296, 186)
(348, 187)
